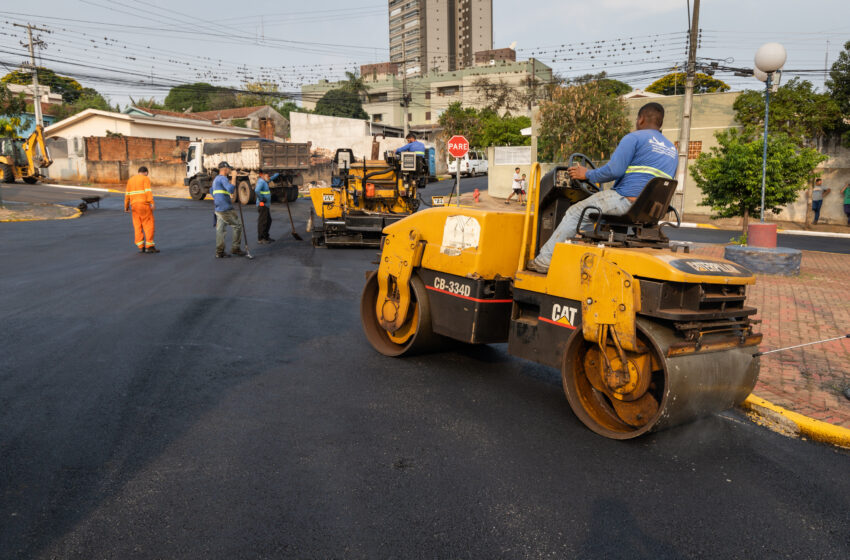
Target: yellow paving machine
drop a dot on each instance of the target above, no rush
(22, 158)
(646, 335)
(364, 197)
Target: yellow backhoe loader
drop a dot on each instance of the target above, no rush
(645, 334)
(23, 158)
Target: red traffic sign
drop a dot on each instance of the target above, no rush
(458, 146)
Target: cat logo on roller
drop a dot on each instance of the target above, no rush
(564, 315)
(644, 337)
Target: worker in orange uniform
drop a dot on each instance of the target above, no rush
(140, 198)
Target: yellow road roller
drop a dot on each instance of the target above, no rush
(646, 334)
(364, 197)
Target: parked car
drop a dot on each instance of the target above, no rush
(473, 163)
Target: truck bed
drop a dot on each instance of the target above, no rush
(254, 154)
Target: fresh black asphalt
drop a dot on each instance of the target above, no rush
(179, 406)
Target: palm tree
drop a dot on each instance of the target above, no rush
(356, 84)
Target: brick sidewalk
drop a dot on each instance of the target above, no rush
(794, 310)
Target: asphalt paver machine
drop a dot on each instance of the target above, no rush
(364, 197)
(646, 335)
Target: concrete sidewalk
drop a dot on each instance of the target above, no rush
(813, 306)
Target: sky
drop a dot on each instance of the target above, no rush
(139, 49)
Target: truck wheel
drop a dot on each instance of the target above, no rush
(246, 193)
(30, 180)
(292, 193)
(195, 190)
(6, 173)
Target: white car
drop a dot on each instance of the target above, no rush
(473, 163)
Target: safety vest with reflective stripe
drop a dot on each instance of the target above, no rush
(646, 169)
(138, 191)
(222, 192)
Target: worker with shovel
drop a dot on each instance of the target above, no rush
(264, 199)
(222, 191)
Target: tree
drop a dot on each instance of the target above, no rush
(69, 88)
(198, 97)
(607, 85)
(838, 83)
(261, 93)
(355, 84)
(581, 118)
(795, 109)
(341, 103)
(483, 127)
(729, 175)
(147, 103)
(674, 83)
(11, 107)
(88, 100)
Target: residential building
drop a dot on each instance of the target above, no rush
(153, 124)
(439, 35)
(432, 92)
(251, 117)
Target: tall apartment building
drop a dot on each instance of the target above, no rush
(439, 35)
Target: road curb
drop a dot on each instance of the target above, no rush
(792, 423)
(71, 217)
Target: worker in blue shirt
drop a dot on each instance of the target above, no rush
(264, 199)
(640, 156)
(413, 145)
(222, 190)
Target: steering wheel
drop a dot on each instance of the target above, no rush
(582, 184)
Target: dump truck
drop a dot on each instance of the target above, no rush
(645, 334)
(364, 197)
(248, 157)
(23, 158)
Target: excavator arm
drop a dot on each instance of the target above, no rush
(37, 154)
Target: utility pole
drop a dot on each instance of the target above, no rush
(405, 100)
(687, 106)
(36, 98)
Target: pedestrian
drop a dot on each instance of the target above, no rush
(818, 192)
(264, 199)
(222, 191)
(516, 186)
(846, 192)
(523, 190)
(138, 199)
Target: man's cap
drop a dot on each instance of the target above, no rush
(223, 165)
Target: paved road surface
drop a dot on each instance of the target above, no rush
(175, 405)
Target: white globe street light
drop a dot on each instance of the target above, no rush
(769, 58)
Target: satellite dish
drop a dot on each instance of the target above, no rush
(513, 46)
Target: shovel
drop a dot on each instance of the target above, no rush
(291, 222)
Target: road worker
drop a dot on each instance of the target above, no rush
(222, 191)
(640, 156)
(413, 145)
(264, 199)
(140, 198)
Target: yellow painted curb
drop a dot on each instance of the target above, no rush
(707, 226)
(793, 423)
(71, 217)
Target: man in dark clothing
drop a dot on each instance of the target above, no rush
(264, 199)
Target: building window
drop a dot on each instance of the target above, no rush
(448, 90)
(378, 117)
(428, 94)
(409, 117)
(427, 115)
(378, 97)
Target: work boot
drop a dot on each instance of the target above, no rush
(534, 266)
(142, 250)
(222, 256)
(262, 242)
(152, 250)
(269, 240)
(237, 252)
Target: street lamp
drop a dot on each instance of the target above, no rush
(769, 58)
